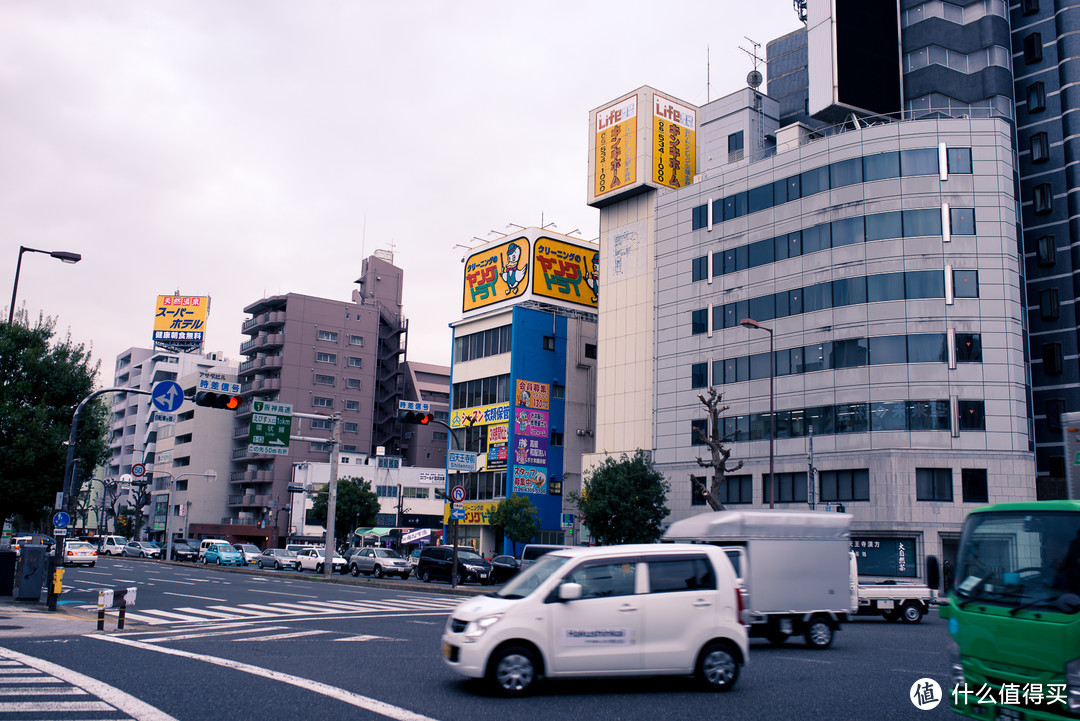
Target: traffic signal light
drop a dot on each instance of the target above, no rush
(217, 400)
(415, 417)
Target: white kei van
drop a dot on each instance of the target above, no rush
(112, 545)
(207, 542)
(671, 609)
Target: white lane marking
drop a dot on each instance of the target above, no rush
(169, 615)
(336, 606)
(186, 595)
(280, 636)
(353, 699)
(53, 706)
(115, 697)
(807, 660)
(15, 680)
(96, 573)
(187, 636)
(173, 580)
(211, 614)
(296, 607)
(50, 692)
(277, 611)
(282, 593)
(241, 611)
(128, 580)
(369, 638)
(19, 670)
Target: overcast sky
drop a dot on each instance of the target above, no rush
(243, 148)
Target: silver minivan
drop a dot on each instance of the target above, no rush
(671, 609)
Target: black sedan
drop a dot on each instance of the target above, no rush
(503, 568)
(184, 551)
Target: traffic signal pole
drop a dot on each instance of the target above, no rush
(329, 548)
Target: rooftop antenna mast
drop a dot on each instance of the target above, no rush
(708, 77)
(754, 79)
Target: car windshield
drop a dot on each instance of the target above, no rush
(528, 580)
(249, 548)
(387, 553)
(224, 549)
(469, 557)
(1019, 559)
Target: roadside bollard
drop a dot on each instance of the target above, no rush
(104, 599)
(120, 599)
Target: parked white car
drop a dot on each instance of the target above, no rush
(664, 609)
(112, 545)
(311, 559)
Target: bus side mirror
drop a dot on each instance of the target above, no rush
(933, 572)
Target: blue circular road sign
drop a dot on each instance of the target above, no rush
(61, 520)
(167, 396)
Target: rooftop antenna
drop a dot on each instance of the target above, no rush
(708, 79)
(754, 79)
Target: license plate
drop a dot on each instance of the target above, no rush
(446, 649)
(483, 575)
(1008, 714)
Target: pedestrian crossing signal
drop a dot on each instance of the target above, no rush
(415, 417)
(217, 400)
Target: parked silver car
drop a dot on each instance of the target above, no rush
(278, 558)
(141, 549)
(380, 562)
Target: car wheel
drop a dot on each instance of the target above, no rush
(92, 564)
(355, 570)
(405, 576)
(217, 561)
(513, 671)
(260, 565)
(425, 576)
(776, 638)
(819, 633)
(378, 572)
(318, 568)
(910, 612)
(343, 570)
(460, 578)
(717, 667)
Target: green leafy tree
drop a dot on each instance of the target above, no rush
(517, 518)
(42, 381)
(622, 501)
(355, 500)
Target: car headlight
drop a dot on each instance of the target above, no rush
(475, 629)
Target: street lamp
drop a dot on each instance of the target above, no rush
(61, 255)
(754, 325)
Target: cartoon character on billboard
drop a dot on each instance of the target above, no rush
(511, 274)
(592, 278)
(521, 453)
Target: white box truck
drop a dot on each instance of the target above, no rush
(794, 568)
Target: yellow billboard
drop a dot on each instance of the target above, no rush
(181, 319)
(674, 154)
(567, 272)
(476, 514)
(495, 274)
(616, 146)
(480, 415)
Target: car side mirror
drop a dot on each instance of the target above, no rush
(570, 592)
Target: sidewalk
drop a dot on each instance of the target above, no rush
(23, 619)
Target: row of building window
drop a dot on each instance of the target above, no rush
(879, 166)
(954, 13)
(324, 402)
(919, 415)
(332, 337)
(910, 285)
(841, 486)
(493, 341)
(327, 380)
(481, 391)
(836, 354)
(993, 55)
(859, 229)
(331, 358)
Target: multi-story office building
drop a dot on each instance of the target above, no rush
(522, 394)
(135, 424)
(320, 356)
(867, 219)
(425, 445)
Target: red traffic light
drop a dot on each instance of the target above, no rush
(218, 400)
(415, 417)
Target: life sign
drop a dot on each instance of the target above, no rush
(271, 426)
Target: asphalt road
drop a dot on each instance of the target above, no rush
(374, 648)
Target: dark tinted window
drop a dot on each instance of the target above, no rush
(846, 485)
(691, 574)
(850, 291)
(966, 283)
(701, 217)
(924, 284)
(700, 268)
(762, 308)
(887, 286)
(817, 297)
(1046, 250)
(923, 222)
(928, 415)
(698, 320)
(885, 349)
(815, 181)
(882, 226)
(760, 198)
(699, 375)
(888, 416)
(850, 353)
(761, 252)
(959, 160)
(926, 348)
(847, 231)
(933, 484)
(818, 237)
(972, 415)
(1036, 97)
(968, 348)
(881, 166)
(962, 221)
(845, 172)
(817, 357)
(973, 481)
(922, 161)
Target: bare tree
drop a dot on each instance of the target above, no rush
(140, 498)
(720, 455)
(113, 495)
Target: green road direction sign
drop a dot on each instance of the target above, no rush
(271, 426)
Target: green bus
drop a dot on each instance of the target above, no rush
(1014, 613)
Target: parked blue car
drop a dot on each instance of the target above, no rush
(222, 554)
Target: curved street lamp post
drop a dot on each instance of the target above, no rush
(61, 255)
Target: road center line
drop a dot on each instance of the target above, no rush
(113, 696)
(353, 699)
(185, 595)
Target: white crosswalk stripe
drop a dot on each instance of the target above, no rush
(282, 609)
(25, 690)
